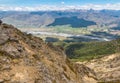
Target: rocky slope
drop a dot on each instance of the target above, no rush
(27, 59)
(107, 68)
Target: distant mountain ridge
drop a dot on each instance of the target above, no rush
(110, 18)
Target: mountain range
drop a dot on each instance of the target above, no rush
(25, 58)
(100, 18)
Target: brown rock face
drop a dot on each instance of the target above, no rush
(107, 68)
(27, 59)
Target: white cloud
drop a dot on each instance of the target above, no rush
(62, 2)
(63, 7)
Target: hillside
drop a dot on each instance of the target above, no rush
(27, 59)
(89, 50)
(107, 68)
(102, 57)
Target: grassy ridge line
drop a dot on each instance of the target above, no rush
(90, 50)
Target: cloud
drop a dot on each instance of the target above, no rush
(100, 7)
(62, 2)
(62, 7)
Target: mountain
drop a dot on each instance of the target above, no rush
(27, 59)
(102, 57)
(26, 19)
(107, 18)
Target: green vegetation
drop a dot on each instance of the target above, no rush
(82, 51)
(80, 30)
(73, 21)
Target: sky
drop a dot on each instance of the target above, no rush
(32, 5)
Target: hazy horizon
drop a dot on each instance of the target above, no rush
(36, 5)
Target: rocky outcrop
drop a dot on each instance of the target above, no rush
(107, 68)
(27, 59)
